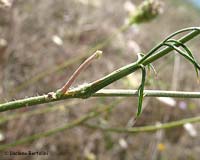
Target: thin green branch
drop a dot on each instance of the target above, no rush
(82, 120)
(102, 93)
(70, 125)
(149, 128)
(147, 93)
(4, 119)
(181, 31)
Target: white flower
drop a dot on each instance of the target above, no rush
(3, 42)
(190, 129)
(123, 143)
(5, 3)
(167, 100)
(2, 137)
(129, 6)
(57, 40)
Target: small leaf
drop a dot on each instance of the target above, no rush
(196, 65)
(188, 51)
(150, 66)
(141, 90)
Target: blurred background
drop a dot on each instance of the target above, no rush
(42, 43)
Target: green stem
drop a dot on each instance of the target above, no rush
(73, 124)
(147, 93)
(45, 110)
(102, 93)
(149, 128)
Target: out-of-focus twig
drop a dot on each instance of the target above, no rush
(70, 125)
(45, 110)
(150, 128)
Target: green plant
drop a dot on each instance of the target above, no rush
(95, 89)
(88, 90)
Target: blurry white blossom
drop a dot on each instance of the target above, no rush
(129, 6)
(190, 129)
(5, 3)
(123, 143)
(2, 137)
(168, 101)
(3, 42)
(57, 40)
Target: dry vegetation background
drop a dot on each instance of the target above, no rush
(44, 34)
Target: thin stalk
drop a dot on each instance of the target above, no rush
(102, 93)
(82, 120)
(74, 123)
(147, 93)
(181, 31)
(45, 110)
(150, 128)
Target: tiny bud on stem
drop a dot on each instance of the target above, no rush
(98, 54)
